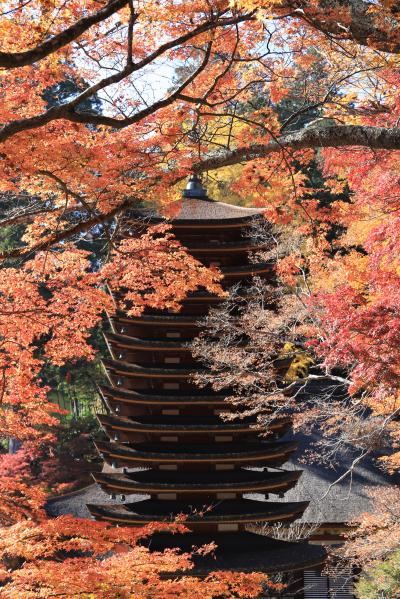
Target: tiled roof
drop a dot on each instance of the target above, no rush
(341, 502)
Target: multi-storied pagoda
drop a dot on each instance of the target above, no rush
(167, 440)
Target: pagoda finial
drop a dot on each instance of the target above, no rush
(194, 188)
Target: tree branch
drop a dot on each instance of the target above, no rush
(336, 136)
(139, 116)
(377, 29)
(10, 60)
(67, 111)
(81, 227)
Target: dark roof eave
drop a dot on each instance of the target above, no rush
(264, 451)
(275, 482)
(127, 424)
(151, 344)
(125, 368)
(268, 512)
(114, 394)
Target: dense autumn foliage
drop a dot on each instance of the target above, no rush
(68, 557)
(51, 303)
(108, 105)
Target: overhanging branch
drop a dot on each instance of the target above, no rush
(336, 136)
(13, 60)
(67, 111)
(351, 20)
(79, 228)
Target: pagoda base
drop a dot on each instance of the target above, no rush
(242, 552)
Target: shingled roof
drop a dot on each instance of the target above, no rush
(343, 501)
(207, 209)
(199, 208)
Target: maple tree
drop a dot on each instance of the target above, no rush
(55, 300)
(223, 50)
(40, 556)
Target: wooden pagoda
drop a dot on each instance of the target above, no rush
(167, 441)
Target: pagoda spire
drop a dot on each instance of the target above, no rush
(194, 188)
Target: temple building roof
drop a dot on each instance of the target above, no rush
(182, 424)
(152, 319)
(275, 453)
(150, 344)
(332, 502)
(239, 246)
(129, 396)
(175, 424)
(135, 370)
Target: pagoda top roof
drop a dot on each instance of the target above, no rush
(207, 209)
(199, 211)
(197, 207)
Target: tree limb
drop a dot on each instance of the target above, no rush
(57, 237)
(336, 136)
(67, 111)
(13, 60)
(377, 28)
